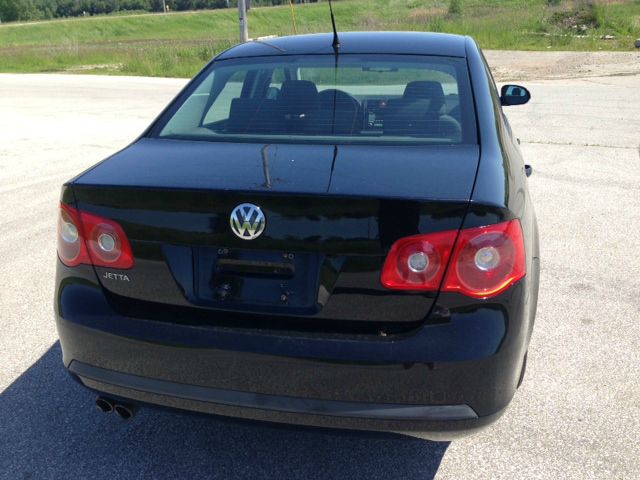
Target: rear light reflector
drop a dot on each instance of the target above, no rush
(87, 238)
(71, 248)
(486, 261)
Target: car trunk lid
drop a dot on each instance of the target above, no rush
(331, 214)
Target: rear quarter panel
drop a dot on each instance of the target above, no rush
(501, 190)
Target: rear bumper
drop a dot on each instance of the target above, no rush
(277, 403)
(438, 422)
(442, 380)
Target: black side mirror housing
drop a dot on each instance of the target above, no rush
(514, 95)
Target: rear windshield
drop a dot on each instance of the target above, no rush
(327, 99)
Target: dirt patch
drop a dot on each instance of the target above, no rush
(110, 67)
(425, 15)
(581, 17)
(518, 65)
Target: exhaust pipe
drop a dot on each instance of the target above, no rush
(125, 412)
(105, 405)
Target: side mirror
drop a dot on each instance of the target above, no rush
(514, 95)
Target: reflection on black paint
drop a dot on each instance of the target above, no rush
(397, 219)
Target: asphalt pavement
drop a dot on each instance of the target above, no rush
(576, 416)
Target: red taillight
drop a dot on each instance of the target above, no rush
(486, 261)
(87, 238)
(418, 262)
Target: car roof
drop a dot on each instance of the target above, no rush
(408, 43)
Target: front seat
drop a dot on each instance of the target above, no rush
(418, 113)
(338, 113)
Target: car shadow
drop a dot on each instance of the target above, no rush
(49, 428)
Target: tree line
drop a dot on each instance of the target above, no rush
(25, 10)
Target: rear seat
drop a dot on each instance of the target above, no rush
(298, 109)
(253, 115)
(288, 113)
(298, 99)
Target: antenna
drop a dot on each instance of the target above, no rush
(336, 50)
(336, 41)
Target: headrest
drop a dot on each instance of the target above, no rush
(342, 99)
(424, 89)
(298, 89)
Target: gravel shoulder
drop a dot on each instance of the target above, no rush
(517, 65)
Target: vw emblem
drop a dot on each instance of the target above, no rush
(247, 221)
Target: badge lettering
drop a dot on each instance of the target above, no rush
(116, 276)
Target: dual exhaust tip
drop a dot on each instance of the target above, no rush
(106, 405)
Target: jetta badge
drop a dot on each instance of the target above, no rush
(247, 221)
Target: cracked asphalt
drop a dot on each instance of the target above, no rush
(576, 416)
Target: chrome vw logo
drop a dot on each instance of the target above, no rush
(247, 221)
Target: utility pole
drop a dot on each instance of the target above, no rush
(244, 25)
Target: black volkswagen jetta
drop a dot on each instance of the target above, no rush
(313, 234)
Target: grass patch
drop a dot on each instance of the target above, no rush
(178, 44)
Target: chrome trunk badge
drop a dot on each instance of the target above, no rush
(247, 221)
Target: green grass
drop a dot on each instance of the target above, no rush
(179, 44)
